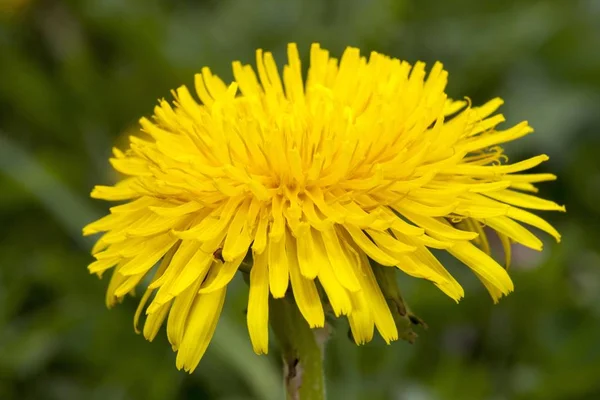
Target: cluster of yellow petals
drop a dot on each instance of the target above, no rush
(366, 160)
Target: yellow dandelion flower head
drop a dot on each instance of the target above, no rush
(364, 161)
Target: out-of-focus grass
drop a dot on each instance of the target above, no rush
(76, 75)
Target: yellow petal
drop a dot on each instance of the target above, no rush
(154, 225)
(260, 238)
(339, 298)
(488, 108)
(315, 220)
(524, 187)
(155, 320)
(115, 281)
(131, 166)
(277, 230)
(382, 316)
(198, 266)
(440, 229)
(129, 284)
(177, 210)
(386, 241)
(524, 200)
(258, 305)
(224, 275)
(181, 258)
(237, 241)
(111, 221)
(310, 259)
(140, 309)
(494, 292)
(121, 191)
(99, 266)
(434, 243)
(423, 257)
(214, 224)
(135, 205)
(495, 170)
(153, 250)
(201, 325)
(361, 319)
(278, 267)
(328, 242)
(366, 245)
(533, 220)
(515, 231)
(453, 106)
(482, 126)
(304, 289)
(179, 313)
(531, 178)
(159, 271)
(419, 208)
(485, 266)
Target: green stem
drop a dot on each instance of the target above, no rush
(301, 349)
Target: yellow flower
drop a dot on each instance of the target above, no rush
(365, 161)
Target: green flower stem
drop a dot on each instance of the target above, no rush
(301, 349)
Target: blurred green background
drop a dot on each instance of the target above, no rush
(75, 76)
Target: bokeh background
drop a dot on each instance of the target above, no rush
(75, 76)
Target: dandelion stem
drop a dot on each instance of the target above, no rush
(301, 349)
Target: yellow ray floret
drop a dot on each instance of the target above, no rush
(305, 183)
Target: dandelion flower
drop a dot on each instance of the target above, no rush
(307, 182)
